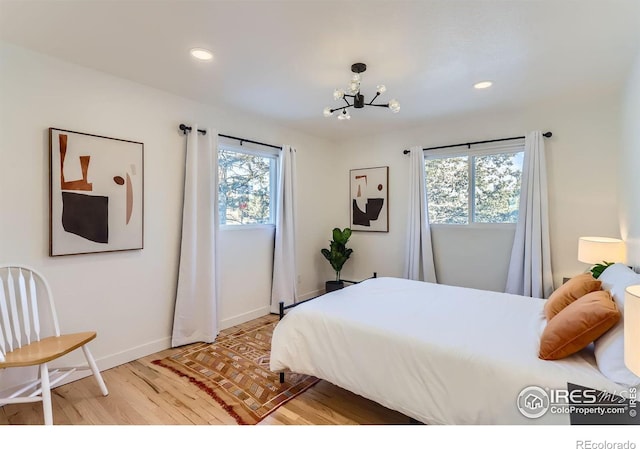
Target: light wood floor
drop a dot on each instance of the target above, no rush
(142, 393)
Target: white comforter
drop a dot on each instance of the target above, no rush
(439, 354)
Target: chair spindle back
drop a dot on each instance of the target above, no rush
(19, 307)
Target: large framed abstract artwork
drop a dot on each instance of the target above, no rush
(96, 193)
(369, 191)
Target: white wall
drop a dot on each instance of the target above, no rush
(472, 256)
(630, 166)
(128, 297)
(246, 264)
(582, 158)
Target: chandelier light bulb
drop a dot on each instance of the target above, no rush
(338, 94)
(381, 89)
(394, 105)
(344, 116)
(356, 77)
(354, 87)
(327, 112)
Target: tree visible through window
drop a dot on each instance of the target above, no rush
(497, 187)
(448, 189)
(482, 188)
(245, 187)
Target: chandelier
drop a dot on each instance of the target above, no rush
(357, 99)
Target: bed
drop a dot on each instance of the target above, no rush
(438, 354)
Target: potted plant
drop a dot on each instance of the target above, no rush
(337, 255)
(598, 268)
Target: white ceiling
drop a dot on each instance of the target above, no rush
(282, 59)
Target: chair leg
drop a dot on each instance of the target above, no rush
(95, 370)
(46, 395)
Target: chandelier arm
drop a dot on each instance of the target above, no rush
(372, 100)
(379, 105)
(342, 107)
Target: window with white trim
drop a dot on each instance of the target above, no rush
(246, 185)
(474, 185)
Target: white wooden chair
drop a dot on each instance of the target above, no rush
(24, 293)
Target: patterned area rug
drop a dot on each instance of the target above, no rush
(234, 370)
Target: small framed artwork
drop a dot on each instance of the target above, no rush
(96, 193)
(369, 192)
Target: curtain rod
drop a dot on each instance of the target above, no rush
(184, 128)
(468, 144)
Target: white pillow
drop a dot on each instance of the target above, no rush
(609, 349)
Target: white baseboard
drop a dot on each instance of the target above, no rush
(122, 357)
(304, 296)
(134, 353)
(310, 294)
(244, 317)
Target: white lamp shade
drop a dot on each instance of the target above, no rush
(632, 328)
(601, 249)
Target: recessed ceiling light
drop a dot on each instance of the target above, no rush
(202, 54)
(483, 84)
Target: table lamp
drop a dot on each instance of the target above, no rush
(600, 252)
(599, 249)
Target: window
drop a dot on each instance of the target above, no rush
(480, 186)
(247, 182)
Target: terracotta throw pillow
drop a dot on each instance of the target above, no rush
(578, 324)
(574, 288)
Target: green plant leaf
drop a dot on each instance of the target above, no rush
(338, 253)
(598, 268)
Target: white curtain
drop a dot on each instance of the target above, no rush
(196, 315)
(284, 255)
(530, 265)
(419, 261)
